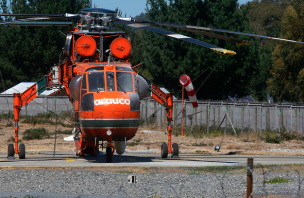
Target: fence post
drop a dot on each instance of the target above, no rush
(249, 177)
(208, 108)
(185, 115)
(195, 116)
(175, 114)
(256, 119)
(226, 119)
(207, 119)
(296, 121)
(268, 120)
(201, 116)
(146, 112)
(290, 118)
(242, 118)
(261, 119)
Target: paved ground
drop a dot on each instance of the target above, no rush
(143, 159)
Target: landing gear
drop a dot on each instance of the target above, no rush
(21, 151)
(10, 150)
(109, 154)
(175, 149)
(164, 150)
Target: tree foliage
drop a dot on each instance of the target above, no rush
(165, 59)
(287, 80)
(27, 53)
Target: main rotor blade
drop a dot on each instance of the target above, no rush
(241, 33)
(43, 23)
(33, 15)
(40, 18)
(185, 28)
(174, 35)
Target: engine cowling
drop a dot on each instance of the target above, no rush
(75, 87)
(143, 87)
(120, 147)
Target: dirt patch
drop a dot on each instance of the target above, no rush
(146, 140)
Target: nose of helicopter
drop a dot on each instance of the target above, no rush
(117, 112)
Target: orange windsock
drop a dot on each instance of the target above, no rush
(186, 82)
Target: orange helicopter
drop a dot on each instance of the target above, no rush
(104, 89)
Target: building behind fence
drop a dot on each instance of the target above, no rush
(243, 115)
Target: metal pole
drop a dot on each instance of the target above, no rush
(249, 177)
(182, 110)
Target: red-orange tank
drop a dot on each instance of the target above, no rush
(86, 46)
(121, 48)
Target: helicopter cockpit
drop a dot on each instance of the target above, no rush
(121, 79)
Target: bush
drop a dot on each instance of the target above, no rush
(12, 139)
(67, 132)
(33, 134)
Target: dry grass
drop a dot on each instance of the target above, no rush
(248, 143)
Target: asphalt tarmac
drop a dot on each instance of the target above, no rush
(143, 159)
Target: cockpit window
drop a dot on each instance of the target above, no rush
(123, 68)
(96, 81)
(95, 68)
(124, 81)
(110, 81)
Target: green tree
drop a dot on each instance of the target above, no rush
(165, 59)
(287, 80)
(33, 50)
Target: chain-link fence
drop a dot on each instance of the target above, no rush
(243, 116)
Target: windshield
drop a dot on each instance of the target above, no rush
(96, 81)
(124, 81)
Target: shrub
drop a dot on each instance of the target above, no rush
(67, 131)
(134, 143)
(32, 134)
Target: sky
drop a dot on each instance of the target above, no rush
(128, 7)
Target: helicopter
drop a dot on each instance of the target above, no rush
(103, 87)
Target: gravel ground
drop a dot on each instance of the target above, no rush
(88, 183)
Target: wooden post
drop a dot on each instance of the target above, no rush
(249, 177)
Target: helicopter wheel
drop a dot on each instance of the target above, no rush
(175, 149)
(21, 151)
(109, 154)
(164, 150)
(10, 150)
